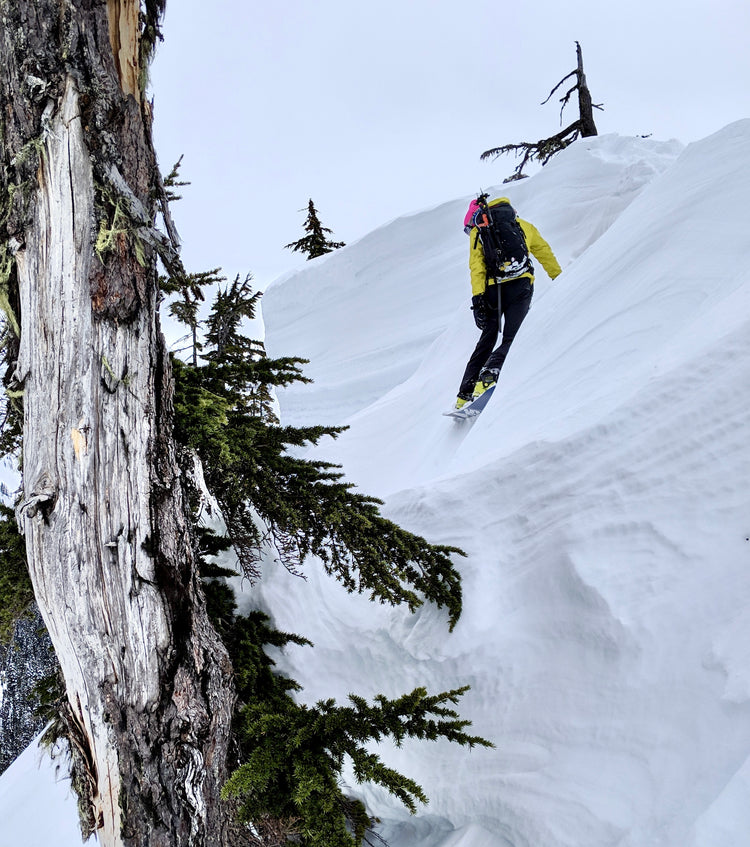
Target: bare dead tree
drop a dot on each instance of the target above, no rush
(544, 149)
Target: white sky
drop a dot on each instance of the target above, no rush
(383, 109)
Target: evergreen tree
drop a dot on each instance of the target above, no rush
(290, 756)
(315, 243)
(224, 412)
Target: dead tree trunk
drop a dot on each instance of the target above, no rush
(148, 682)
(544, 149)
(585, 104)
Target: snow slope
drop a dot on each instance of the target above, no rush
(37, 807)
(602, 500)
(367, 314)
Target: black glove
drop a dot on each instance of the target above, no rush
(479, 307)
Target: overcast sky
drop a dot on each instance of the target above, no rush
(379, 109)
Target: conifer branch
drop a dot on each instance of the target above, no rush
(224, 412)
(172, 180)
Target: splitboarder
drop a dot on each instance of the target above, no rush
(502, 283)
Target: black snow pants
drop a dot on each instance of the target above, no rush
(509, 301)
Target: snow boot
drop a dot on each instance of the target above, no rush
(487, 378)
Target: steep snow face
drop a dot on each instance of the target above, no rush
(367, 315)
(602, 500)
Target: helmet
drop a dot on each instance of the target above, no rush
(469, 217)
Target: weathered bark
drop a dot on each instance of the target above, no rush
(585, 104)
(148, 682)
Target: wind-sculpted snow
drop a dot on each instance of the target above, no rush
(367, 315)
(602, 500)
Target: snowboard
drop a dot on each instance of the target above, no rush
(471, 410)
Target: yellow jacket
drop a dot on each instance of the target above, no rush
(534, 241)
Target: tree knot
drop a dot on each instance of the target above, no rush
(42, 499)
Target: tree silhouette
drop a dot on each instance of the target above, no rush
(315, 243)
(543, 150)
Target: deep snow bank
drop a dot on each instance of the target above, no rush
(366, 315)
(602, 499)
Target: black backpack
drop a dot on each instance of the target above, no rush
(503, 242)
